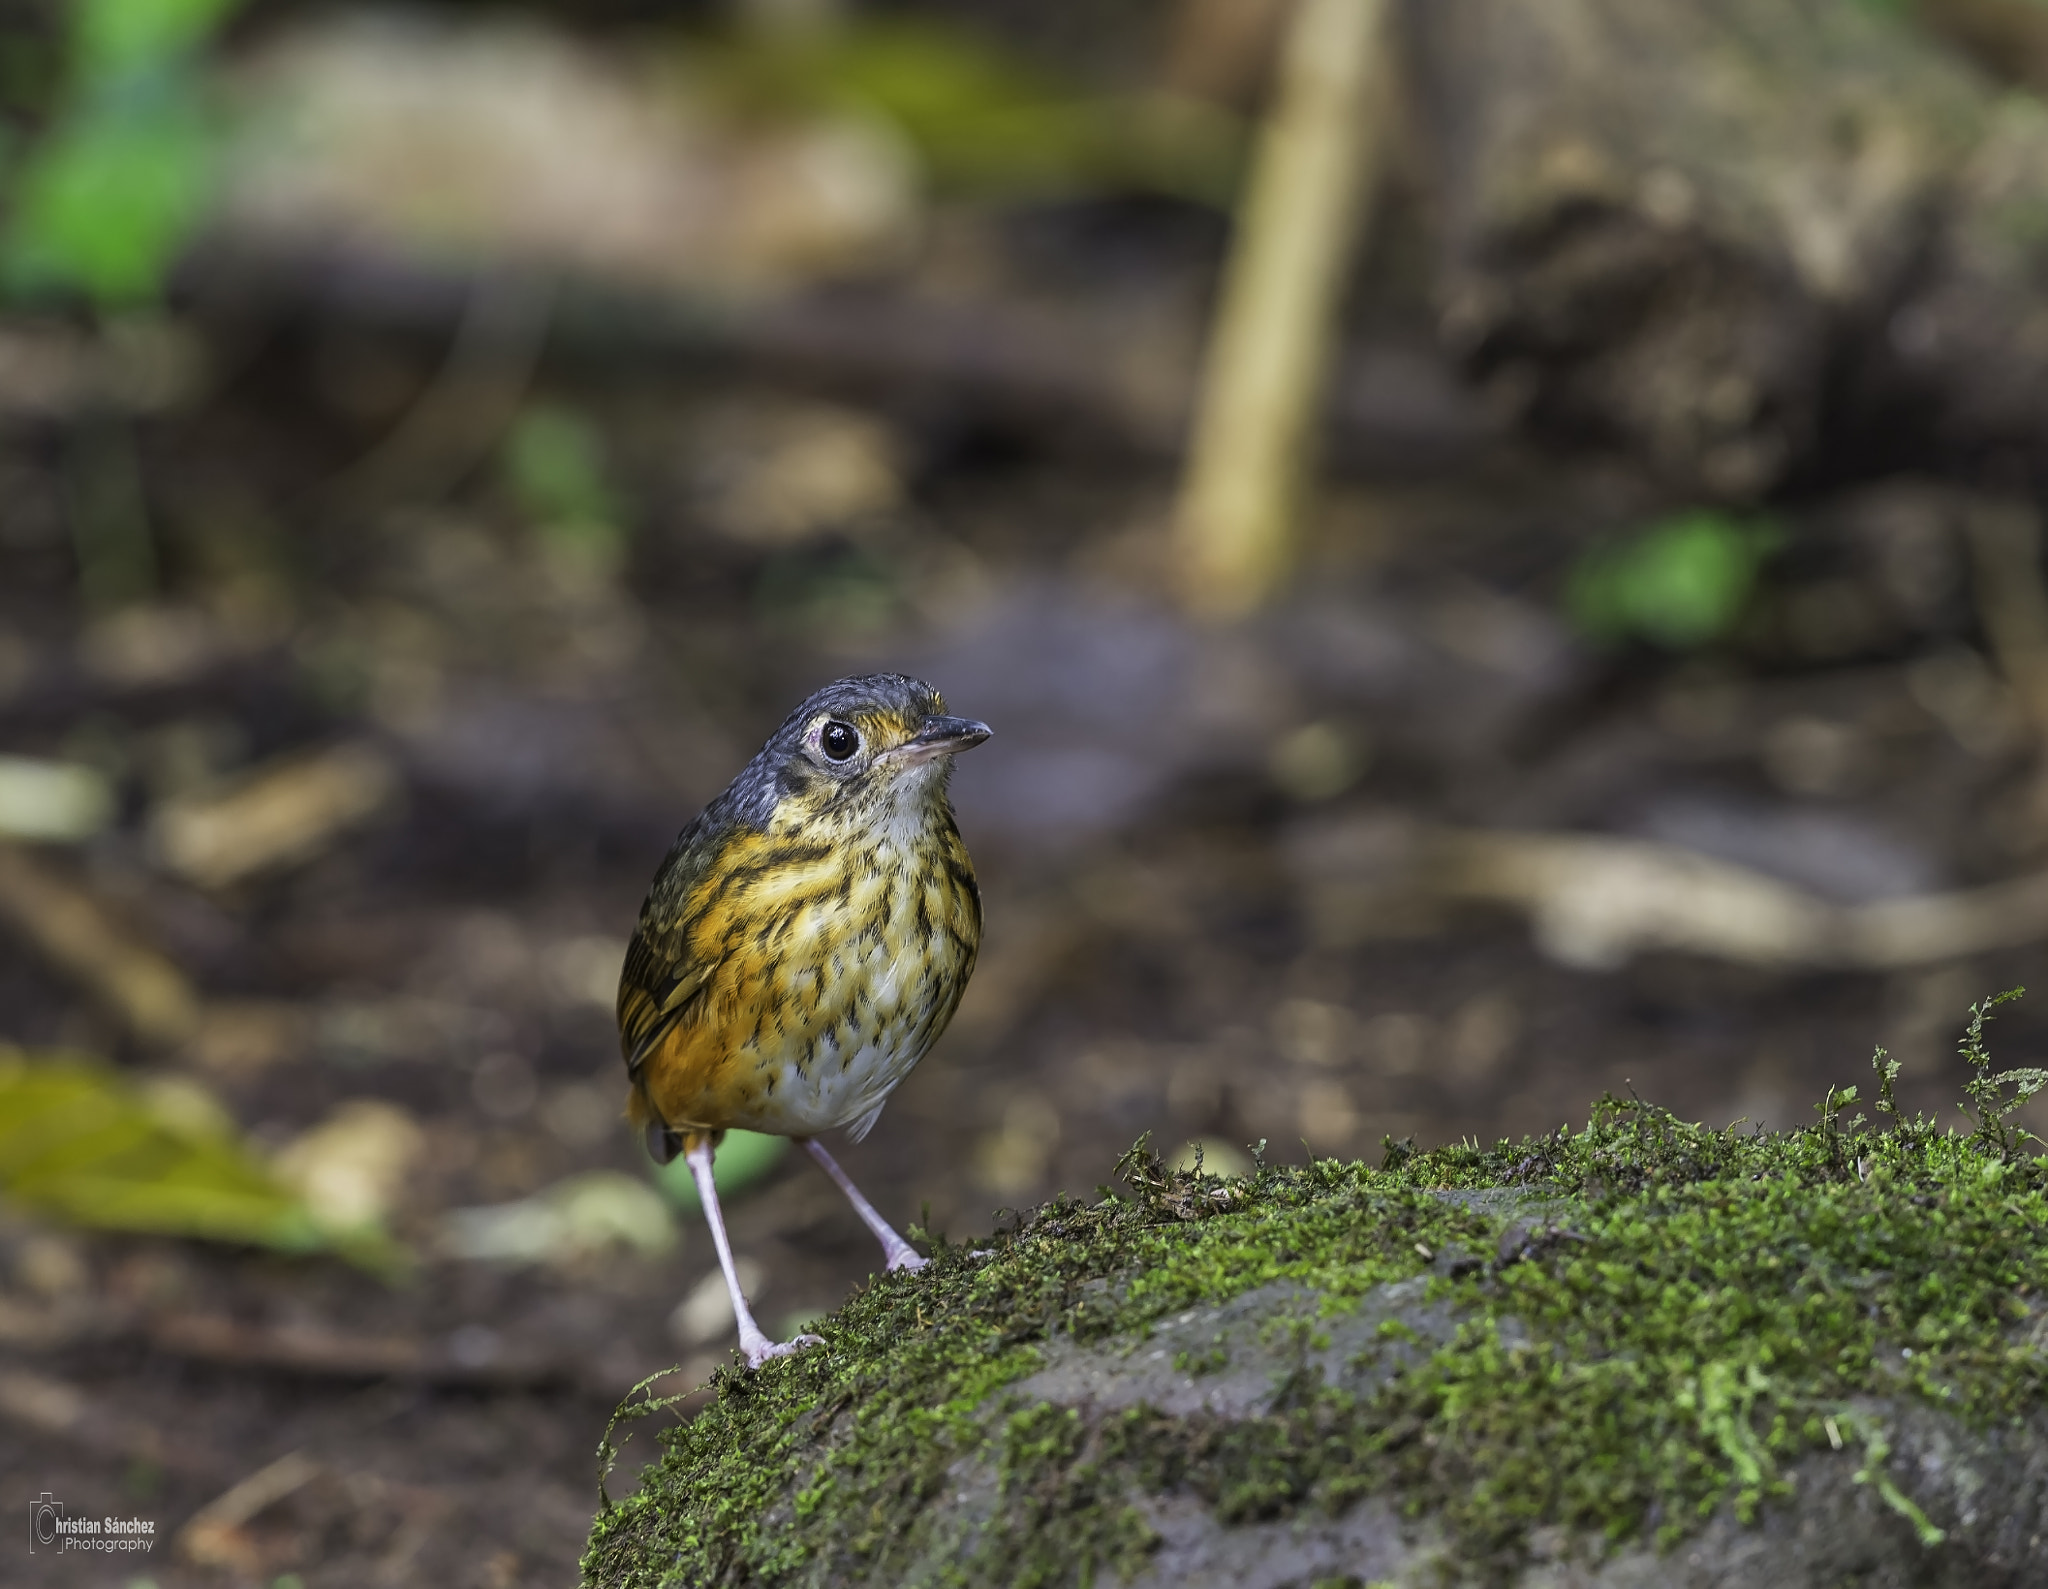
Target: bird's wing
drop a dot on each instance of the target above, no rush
(663, 981)
(657, 989)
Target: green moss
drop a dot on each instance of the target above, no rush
(1651, 1320)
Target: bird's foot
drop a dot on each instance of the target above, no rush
(757, 1349)
(906, 1257)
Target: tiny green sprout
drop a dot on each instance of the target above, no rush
(1679, 584)
(1986, 1088)
(554, 465)
(1877, 1450)
(1887, 1070)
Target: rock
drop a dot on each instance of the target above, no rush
(1642, 1353)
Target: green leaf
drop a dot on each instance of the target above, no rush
(1680, 583)
(114, 37)
(108, 198)
(111, 192)
(84, 1143)
(743, 1158)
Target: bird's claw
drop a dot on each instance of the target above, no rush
(906, 1259)
(757, 1352)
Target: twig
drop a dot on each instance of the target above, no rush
(327, 1353)
(81, 939)
(464, 410)
(2012, 602)
(1596, 901)
(214, 1536)
(1909, 932)
(1274, 330)
(2005, 545)
(286, 812)
(311, 1350)
(100, 1425)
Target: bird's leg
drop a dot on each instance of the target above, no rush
(900, 1253)
(754, 1346)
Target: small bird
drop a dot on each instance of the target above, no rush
(804, 944)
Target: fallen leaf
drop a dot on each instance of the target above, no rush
(88, 943)
(52, 801)
(83, 1143)
(575, 1217)
(351, 1167)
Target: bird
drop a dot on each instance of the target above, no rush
(804, 943)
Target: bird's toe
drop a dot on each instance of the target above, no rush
(758, 1352)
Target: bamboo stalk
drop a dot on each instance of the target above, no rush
(1270, 349)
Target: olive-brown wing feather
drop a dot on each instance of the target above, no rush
(661, 977)
(657, 990)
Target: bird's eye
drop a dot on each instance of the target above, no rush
(839, 741)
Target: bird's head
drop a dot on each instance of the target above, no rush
(880, 738)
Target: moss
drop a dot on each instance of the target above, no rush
(1647, 1321)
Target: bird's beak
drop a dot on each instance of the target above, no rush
(942, 736)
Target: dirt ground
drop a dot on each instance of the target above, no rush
(1169, 948)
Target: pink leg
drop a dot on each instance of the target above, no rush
(900, 1253)
(754, 1346)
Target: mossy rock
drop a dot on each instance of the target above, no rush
(1645, 1353)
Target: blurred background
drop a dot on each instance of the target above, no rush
(1501, 551)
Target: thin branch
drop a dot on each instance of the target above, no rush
(1297, 229)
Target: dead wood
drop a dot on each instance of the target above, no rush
(1733, 235)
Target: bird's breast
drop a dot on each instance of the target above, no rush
(838, 960)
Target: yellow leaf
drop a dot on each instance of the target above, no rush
(84, 1143)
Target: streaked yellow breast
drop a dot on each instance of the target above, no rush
(840, 948)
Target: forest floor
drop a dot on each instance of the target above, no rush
(1158, 824)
